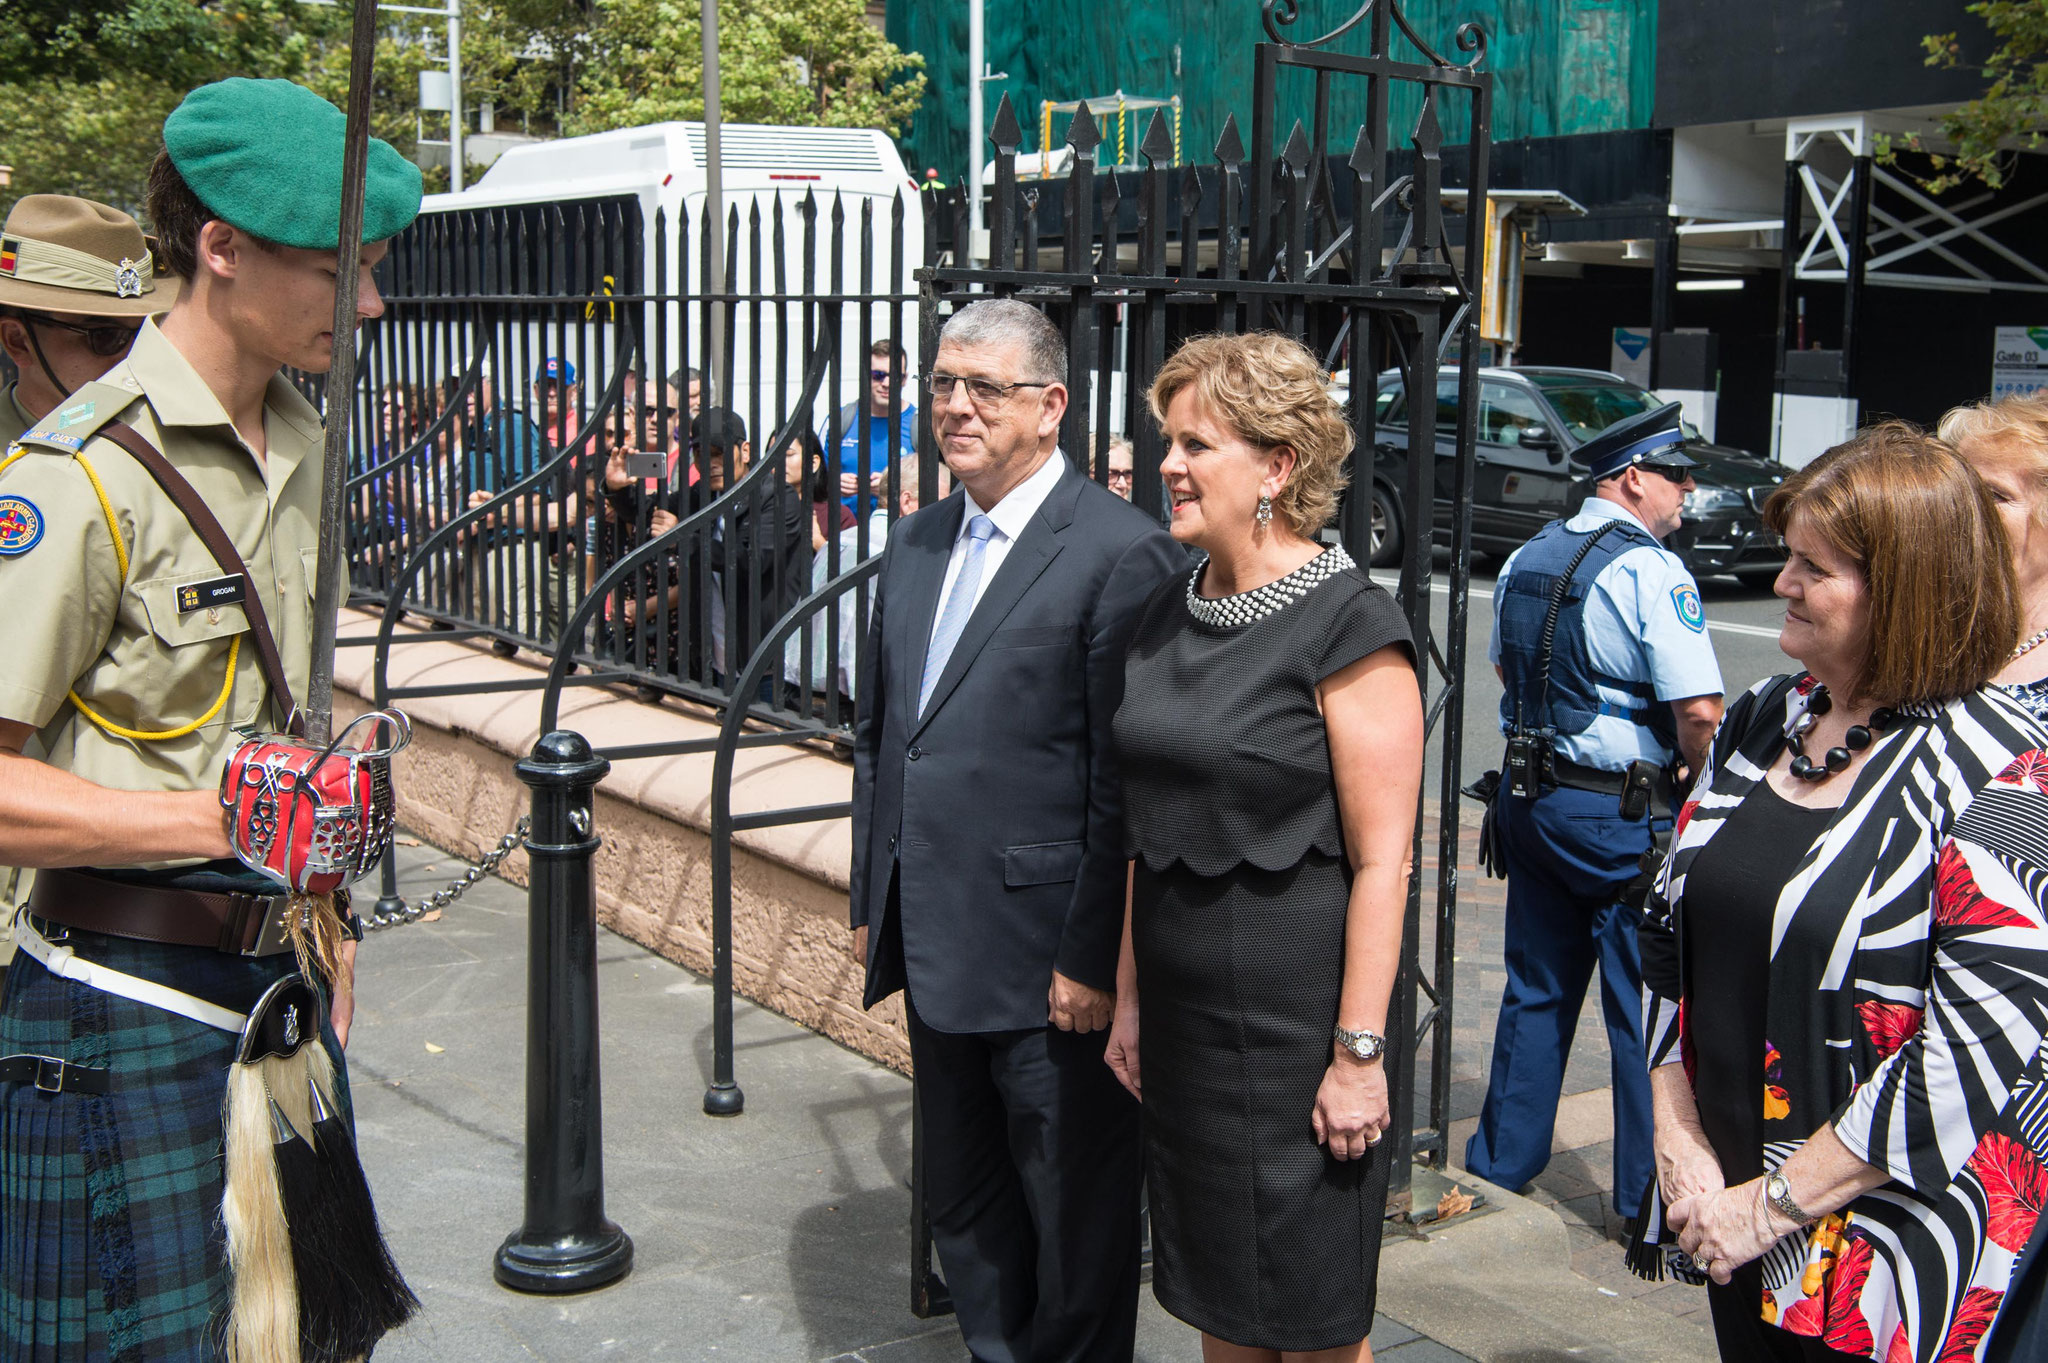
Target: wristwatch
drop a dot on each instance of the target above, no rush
(1364, 1045)
(1778, 1192)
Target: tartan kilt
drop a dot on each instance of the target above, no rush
(111, 1243)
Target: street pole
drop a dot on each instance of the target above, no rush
(714, 211)
(975, 62)
(455, 96)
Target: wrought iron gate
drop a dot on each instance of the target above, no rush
(1332, 233)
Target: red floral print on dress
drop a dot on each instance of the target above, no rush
(1685, 813)
(2015, 1187)
(1777, 1103)
(1889, 1025)
(2029, 768)
(1959, 903)
(1846, 1329)
(1973, 1317)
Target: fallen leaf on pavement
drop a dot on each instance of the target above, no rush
(432, 1049)
(1456, 1202)
(407, 842)
(433, 916)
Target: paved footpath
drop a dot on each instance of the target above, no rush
(782, 1234)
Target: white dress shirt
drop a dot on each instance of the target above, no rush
(1009, 516)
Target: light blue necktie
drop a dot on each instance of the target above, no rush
(959, 605)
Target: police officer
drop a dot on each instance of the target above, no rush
(76, 280)
(134, 656)
(1597, 722)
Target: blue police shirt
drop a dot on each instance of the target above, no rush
(849, 458)
(1643, 622)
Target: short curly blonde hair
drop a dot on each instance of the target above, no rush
(1270, 391)
(2015, 425)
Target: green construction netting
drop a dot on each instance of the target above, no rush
(1561, 66)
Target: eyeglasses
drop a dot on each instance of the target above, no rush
(104, 341)
(1679, 476)
(880, 375)
(985, 392)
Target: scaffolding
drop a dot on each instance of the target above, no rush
(1118, 105)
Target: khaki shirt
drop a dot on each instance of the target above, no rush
(125, 646)
(13, 421)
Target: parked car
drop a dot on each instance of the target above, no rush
(1531, 423)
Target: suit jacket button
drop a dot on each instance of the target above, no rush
(915, 753)
(892, 842)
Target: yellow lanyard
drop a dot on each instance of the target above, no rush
(121, 555)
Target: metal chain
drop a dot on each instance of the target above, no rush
(456, 888)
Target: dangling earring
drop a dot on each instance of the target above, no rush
(1264, 517)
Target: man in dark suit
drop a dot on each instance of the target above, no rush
(988, 867)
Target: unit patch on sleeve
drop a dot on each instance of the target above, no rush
(1690, 613)
(21, 526)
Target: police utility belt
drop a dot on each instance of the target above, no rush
(1532, 764)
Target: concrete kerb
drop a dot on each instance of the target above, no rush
(1500, 1289)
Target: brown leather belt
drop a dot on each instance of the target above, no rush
(240, 924)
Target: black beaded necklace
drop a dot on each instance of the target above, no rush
(1859, 737)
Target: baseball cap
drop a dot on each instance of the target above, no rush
(555, 368)
(719, 426)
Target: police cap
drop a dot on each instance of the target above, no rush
(265, 156)
(1655, 438)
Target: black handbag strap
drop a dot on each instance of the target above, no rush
(208, 527)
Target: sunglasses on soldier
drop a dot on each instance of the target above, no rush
(107, 340)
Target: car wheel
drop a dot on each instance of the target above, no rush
(1758, 579)
(1386, 528)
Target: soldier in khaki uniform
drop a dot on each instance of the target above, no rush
(132, 659)
(76, 279)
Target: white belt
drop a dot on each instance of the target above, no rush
(65, 963)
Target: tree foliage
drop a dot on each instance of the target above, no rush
(86, 84)
(793, 62)
(2012, 113)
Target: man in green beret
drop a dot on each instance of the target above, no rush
(133, 658)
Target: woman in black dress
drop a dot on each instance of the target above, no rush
(1271, 748)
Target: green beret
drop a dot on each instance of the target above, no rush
(265, 155)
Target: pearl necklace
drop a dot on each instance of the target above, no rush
(2029, 645)
(1228, 612)
(1859, 737)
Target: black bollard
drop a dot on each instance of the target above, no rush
(565, 1244)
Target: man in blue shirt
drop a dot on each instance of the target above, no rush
(867, 443)
(1600, 642)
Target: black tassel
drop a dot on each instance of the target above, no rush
(1645, 1257)
(350, 1291)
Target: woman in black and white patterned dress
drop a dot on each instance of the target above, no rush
(1846, 960)
(1270, 743)
(2006, 442)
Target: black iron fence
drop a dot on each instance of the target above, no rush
(530, 476)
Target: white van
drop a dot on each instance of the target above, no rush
(661, 165)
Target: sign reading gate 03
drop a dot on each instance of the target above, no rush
(2019, 361)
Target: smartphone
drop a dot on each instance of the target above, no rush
(650, 464)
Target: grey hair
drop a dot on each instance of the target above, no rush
(1006, 322)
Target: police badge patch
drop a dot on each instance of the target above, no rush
(21, 526)
(1690, 613)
